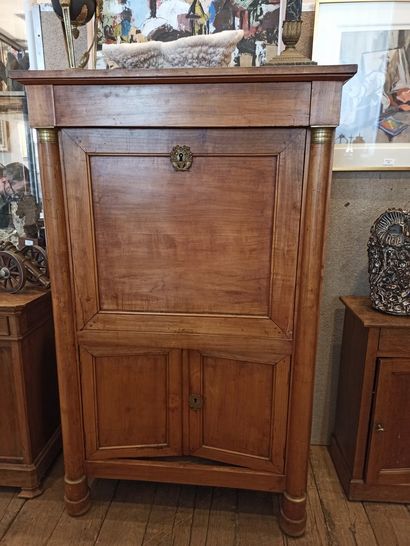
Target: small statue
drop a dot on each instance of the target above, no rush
(389, 262)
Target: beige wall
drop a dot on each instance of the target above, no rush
(357, 199)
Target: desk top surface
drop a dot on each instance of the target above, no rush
(185, 75)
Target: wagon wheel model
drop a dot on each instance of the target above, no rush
(38, 256)
(12, 272)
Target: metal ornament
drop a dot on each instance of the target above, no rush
(291, 31)
(73, 14)
(181, 158)
(18, 266)
(389, 262)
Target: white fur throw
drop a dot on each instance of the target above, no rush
(205, 50)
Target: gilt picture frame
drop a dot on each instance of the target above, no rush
(374, 130)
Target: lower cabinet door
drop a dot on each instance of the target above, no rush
(237, 410)
(388, 460)
(132, 402)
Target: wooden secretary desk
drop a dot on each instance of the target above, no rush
(186, 297)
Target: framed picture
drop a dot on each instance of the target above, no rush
(374, 130)
(4, 136)
(125, 21)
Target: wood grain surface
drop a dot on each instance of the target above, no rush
(142, 514)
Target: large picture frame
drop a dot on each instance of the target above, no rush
(374, 130)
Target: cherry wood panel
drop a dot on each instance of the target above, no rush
(355, 391)
(10, 443)
(40, 103)
(132, 403)
(186, 472)
(243, 417)
(80, 218)
(206, 251)
(202, 241)
(324, 110)
(259, 349)
(395, 341)
(40, 377)
(202, 105)
(389, 451)
(184, 324)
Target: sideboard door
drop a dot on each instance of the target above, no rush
(132, 402)
(238, 409)
(389, 451)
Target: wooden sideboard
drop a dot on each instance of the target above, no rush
(186, 301)
(29, 412)
(371, 440)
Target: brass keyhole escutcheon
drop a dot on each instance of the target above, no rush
(195, 401)
(379, 427)
(181, 158)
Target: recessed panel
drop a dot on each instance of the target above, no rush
(131, 400)
(9, 435)
(197, 241)
(237, 414)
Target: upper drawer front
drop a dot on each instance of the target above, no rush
(258, 104)
(395, 341)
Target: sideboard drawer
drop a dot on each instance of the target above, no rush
(394, 341)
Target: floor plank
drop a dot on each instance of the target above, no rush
(83, 531)
(10, 506)
(127, 516)
(256, 521)
(38, 517)
(162, 516)
(200, 520)
(222, 518)
(390, 523)
(184, 516)
(346, 522)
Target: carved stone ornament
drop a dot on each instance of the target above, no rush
(389, 262)
(181, 158)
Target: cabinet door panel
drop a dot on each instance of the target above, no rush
(389, 451)
(218, 240)
(132, 403)
(243, 415)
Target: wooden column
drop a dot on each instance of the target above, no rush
(293, 506)
(76, 487)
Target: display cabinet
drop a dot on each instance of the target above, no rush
(185, 213)
(371, 439)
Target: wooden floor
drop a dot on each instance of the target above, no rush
(132, 513)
